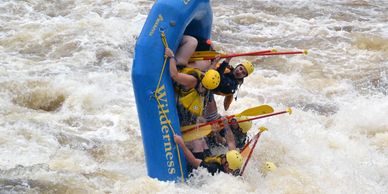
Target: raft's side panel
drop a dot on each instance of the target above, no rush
(172, 17)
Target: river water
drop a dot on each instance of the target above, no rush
(69, 123)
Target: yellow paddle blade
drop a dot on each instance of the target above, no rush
(246, 125)
(258, 110)
(192, 59)
(197, 133)
(188, 127)
(204, 54)
(201, 55)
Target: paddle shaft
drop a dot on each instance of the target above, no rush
(258, 53)
(258, 117)
(207, 54)
(262, 54)
(264, 116)
(246, 54)
(250, 152)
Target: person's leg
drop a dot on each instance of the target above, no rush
(202, 65)
(196, 148)
(211, 111)
(199, 145)
(199, 148)
(186, 49)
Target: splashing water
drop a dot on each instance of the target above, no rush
(69, 123)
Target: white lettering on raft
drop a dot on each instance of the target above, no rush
(158, 20)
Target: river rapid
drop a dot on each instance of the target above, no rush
(68, 118)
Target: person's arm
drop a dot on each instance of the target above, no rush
(213, 64)
(229, 135)
(216, 130)
(223, 66)
(194, 162)
(227, 101)
(228, 60)
(186, 80)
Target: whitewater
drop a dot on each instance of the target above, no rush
(68, 118)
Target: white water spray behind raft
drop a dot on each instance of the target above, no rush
(69, 124)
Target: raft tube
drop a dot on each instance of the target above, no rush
(156, 106)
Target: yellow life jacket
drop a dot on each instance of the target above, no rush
(191, 100)
(214, 159)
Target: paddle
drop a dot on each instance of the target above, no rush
(209, 55)
(201, 131)
(196, 134)
(258, 110)
(288, 110)
(193, 132)
(246, 151)
(199, 54)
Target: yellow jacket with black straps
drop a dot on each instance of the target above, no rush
(190, 99)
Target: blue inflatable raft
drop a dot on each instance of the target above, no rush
(154, 93)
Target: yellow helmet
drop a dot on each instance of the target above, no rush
(248, 66)
(234, 159)
(268, 167)
(246, 125)
(211, 80)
